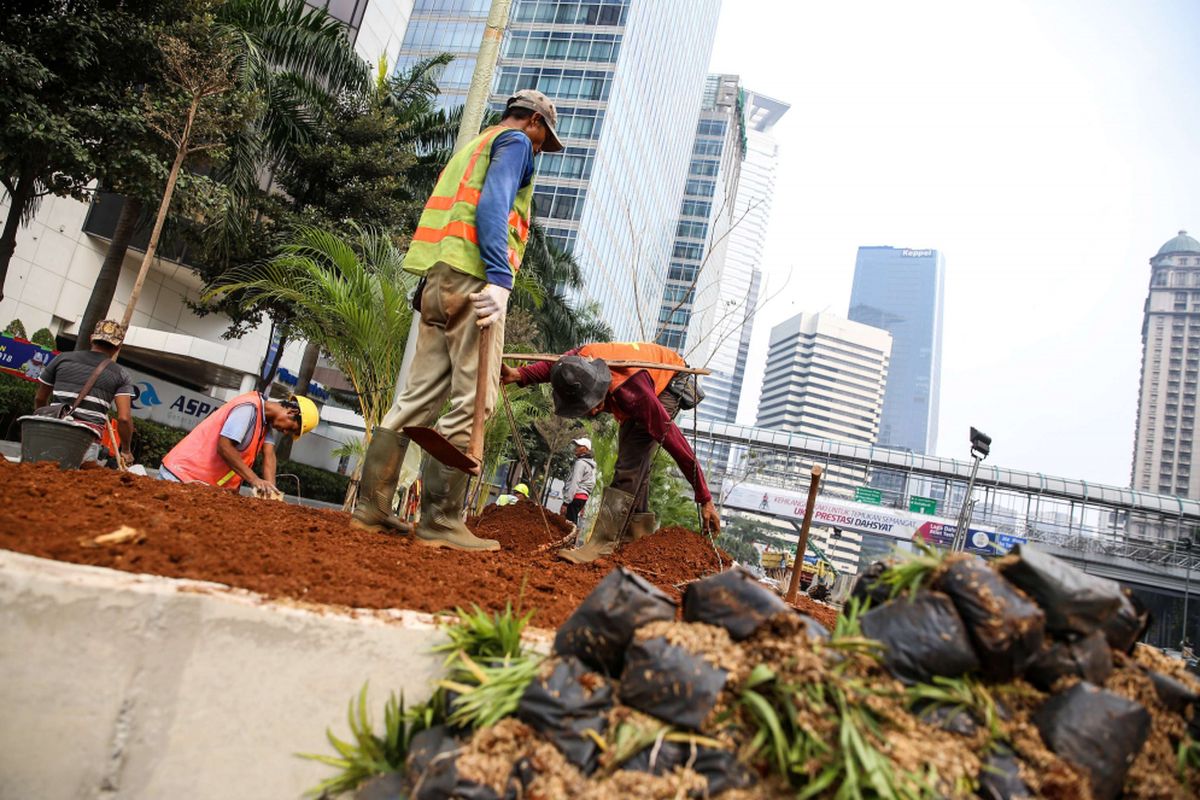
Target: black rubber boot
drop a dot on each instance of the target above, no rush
(377, 487)
(607, 532)
(441, 525)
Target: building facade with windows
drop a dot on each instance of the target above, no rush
(445, 26)
(1166, 414)
(376, 27)
(901, 291)
(825, 376)
(741, 276)
(691, 300)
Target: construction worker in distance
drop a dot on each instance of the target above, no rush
(519, 491)
(583, 479)
(645, 402)
(467, 247)
(222, 449)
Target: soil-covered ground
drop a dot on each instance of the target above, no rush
(284, 550)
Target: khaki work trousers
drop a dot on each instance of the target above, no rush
(446, 363)
(635, 450)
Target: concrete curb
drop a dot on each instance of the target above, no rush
(119, 685)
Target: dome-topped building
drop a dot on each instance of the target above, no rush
(1180, 244)
(1167, 407)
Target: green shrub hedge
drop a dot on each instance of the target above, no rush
(16, 400)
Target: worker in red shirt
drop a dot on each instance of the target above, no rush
(645, 402)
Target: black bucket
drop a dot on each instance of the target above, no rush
(50, 439)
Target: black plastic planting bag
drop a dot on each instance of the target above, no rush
(1097, 731)
(1088, 658)
(922, 637)
(954, 719)
(1127, 624)
(563, 705)
(1174, 694)
(598, 632)
(668, 682)
(814, 629)
(732, 599)
(1000, 777)
(1074, 601)
(868, 586)
(433, 769)
(720, 767)
(1005, 626)
(382, 787)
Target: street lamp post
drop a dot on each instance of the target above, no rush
(1187, 586)
(981, 445)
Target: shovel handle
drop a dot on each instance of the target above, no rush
(482, 379)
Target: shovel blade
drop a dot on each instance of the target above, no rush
(440, 448)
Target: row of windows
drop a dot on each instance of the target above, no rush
(700, 188)
(448, 7)
(563, 238)
(680, 316)
(449, 37)
(696, 208)
(688, 250)
(579, 123)
(573, 162)
(672, 339)
(571, 12)
(674, 295)
(557, 84)
(682, 272)
(708, 147)
(559, 202)
(711, 127)
(692, 230)
(704, 166)
(563, 46)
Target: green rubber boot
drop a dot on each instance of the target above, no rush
(642, 525)
(441, 522)
(377, 487)
(608, 530)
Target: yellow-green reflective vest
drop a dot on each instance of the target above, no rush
(447, 232)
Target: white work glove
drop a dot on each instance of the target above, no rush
(490, 305)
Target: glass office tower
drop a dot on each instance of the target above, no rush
(901, 291)
(375, 27)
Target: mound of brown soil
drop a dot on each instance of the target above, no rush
(284, 550)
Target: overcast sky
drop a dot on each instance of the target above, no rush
(1047, 147)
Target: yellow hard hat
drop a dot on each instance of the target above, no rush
(309, 416)
(521, 488)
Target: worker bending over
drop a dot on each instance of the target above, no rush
(645, 402)
(222, 449)
(466, 248)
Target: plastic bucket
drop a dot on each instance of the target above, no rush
(61, 440)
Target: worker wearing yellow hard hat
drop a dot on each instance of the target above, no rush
(222, 449)
(510, 499)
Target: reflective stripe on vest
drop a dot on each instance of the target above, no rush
(196, 458)
(446, 231)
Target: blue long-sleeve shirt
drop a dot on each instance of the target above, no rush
(510, 169)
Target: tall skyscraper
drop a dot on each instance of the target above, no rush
(825, 377)
(741, 276)
(375, 27)
(627, 78)
(692, 300)
(1166, 416)
(901, 291)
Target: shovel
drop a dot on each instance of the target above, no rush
(439, 446)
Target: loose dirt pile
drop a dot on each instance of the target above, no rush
(313, 555)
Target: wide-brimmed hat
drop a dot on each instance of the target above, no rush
(534, 100)
(109, 331)
(579, 385)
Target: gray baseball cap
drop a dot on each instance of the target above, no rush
(579, 385)
(536, 101)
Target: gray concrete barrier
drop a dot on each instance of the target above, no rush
(115, 685)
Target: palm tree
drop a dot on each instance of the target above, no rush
(349, 296)
(296, 60)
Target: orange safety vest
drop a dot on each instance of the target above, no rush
(635, 351)
(446, 231)
(195, 458)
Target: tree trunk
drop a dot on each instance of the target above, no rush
(268, 376)
(110, 272)
(181, 153)
(19, 199)
(308, 365)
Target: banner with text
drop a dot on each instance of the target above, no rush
(862, 518)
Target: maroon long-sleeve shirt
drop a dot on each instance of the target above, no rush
(635, 400)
